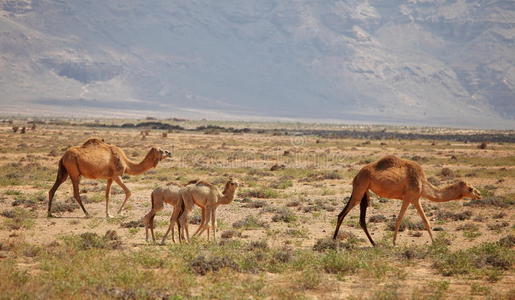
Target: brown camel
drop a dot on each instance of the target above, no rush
(392, 177)
(166, 194)
(208, 198)
(96, 159)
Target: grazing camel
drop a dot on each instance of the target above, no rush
(392, 177)
(96, 159)
(166, 194)
(208, 198)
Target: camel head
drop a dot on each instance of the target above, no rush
(468, 191)
(158, 154)
(231, 186)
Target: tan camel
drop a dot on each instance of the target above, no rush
(392, 177)
(208, 198)
(96, 159)
(166, 194)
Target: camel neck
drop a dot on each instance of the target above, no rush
(227, 198)
(134, 168)
(445, 194)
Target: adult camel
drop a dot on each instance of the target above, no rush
(96, 159)
(392, 177)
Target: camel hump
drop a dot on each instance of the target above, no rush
(91, 142)
(387, 162)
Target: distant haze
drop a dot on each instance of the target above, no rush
(412, 62)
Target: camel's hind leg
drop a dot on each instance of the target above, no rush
(62, 175)
(148, 220)
(363, 216)
(76, 194)
(118, 180)
(355, 198)
(404, 206)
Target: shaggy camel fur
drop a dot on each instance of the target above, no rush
(208, 198)
(166, 194)
(96, 159)
(392, 177)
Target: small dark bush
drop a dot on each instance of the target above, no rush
(132, 224)
(228, 234)
(284, 214)
(255, 204)
(377, 219)
(507, 241)
(202, 266)
(448, 215)
(446, 172)
(490, 201)
(497, 226)
(261, 245)
(250, 222)
(195, 220)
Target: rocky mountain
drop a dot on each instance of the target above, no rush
(432, 62)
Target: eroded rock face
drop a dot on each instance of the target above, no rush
(446, 62)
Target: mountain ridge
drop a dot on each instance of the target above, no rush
(441, 62)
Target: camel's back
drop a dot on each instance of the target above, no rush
(169, 194)
(395, 175)
(95, 159)
(200, 191)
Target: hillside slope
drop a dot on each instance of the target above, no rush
(428, 62)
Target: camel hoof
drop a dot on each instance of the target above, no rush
(109, 216)
(88, 216)
(49, 215)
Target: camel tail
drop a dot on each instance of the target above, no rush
(62, 175)
(181, 208)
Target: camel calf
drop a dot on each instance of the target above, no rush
(166, 194)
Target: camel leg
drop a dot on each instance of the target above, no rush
(170, 228)
(206, 223)
(76, 194)
(202, 221)
(62, 175)
(213, 223)
(420, 211)
(149, 224)
(108, 193)
(152, 226)
(118, 180)
(186, 229)
(350, 205)
(363, 216)
(404, 206)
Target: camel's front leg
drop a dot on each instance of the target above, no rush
(118, 180)
(108, 193)
(213, 223)
(202, 221)
(424, 218)
(405, 204)
(76, 194)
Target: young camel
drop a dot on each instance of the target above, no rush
(392, 177)
(167, 194)
(208, 198)
(96, 159)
